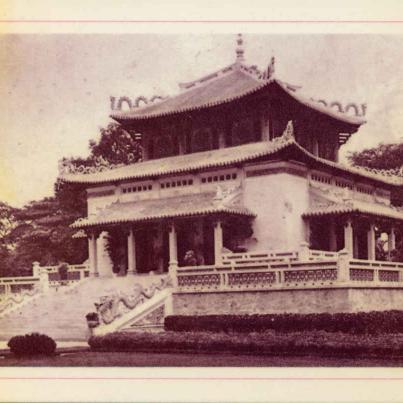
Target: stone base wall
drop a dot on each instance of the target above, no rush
(288, 301)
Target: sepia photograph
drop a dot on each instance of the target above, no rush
(201, 200)
(198, 209)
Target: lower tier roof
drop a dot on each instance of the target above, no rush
(220, 158)
(160, 209)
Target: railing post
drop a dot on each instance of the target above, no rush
(7, 289)
(36, 269)
(376, 276)
(303, 253)
(343, 266)
(44, 280)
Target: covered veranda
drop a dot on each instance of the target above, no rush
(160, 235)
(366, 233)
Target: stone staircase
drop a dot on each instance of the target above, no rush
(61, 312)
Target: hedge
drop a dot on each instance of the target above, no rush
(32, 344)
(269, 343)
(354, 323)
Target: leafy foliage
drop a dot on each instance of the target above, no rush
(32, 344)
(116, 146)
(40, 231)
(385, 156)
(355, 323)
(268, 342)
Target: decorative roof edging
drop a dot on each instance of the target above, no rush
(81, 223)
(353, 120)
(277, 144)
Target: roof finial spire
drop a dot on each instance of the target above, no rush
(271, 68)
(239, 49)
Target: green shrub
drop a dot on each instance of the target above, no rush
(32, 344)
(269, 342)
(355, 323)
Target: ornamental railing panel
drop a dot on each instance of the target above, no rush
(362, 275)
(389, 275)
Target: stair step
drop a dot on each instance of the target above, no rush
(61, 313)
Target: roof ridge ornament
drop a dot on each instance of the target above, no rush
(288, 133)
(239, 50)
(271, 68)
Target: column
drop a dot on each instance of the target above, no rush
(221, 137)
(332, 236)
(173, 248)
(131, 253)
(356, 252)
(218, 243)
(391, 241)
(92, 255)
(348, 237)
(306, 231)
(198, 241)
(371, 242)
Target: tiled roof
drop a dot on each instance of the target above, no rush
(234, 84)
(325, 204)
(215, 159)
(356, 206)
(364, 172)
(158, 209)
(182, 163)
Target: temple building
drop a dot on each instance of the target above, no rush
(237, 162)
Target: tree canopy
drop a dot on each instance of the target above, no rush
(385, 156)
(40, 231)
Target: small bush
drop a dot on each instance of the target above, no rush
(32, 344)
(354, 323)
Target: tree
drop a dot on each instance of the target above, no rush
(385, 156)
(116, 146)
(7, 224)
(41, 231)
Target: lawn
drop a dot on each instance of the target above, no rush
(143, 359)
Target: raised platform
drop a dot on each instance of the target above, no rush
(332, 300)
(296, 282)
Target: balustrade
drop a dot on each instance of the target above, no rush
(283, 270)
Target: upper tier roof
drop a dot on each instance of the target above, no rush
(226, 85)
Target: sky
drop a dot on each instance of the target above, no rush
(55, 88)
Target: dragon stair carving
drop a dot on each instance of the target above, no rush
(142, 308)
